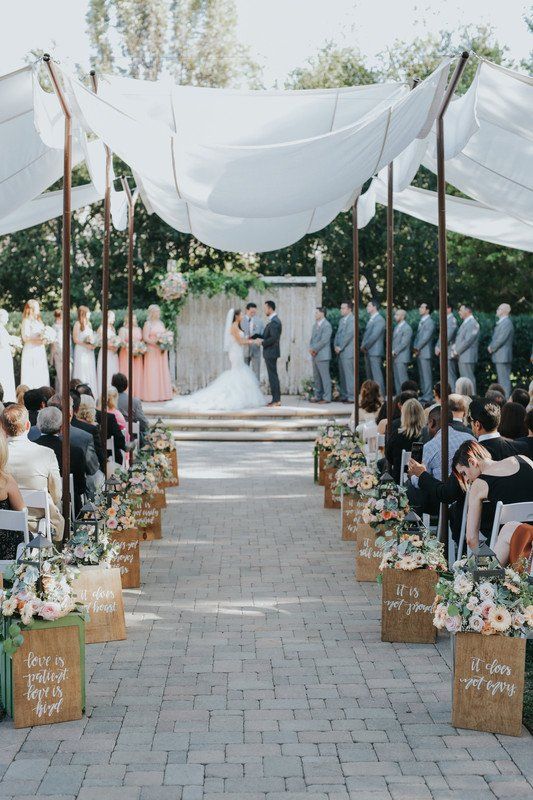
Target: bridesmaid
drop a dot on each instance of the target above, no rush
(157, 385)
(7, 373)
(112, 351)
(34, 363)
(138, 367)
(84, 368)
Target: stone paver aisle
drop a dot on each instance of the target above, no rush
(254, 668)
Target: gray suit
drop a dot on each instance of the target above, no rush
(321, 343)
(252, 353)
(466, 347)
(451, 327)
(374, 344)
(137, 409)
(344, 341)
(501, 346)
(401, 353)
(424, 344)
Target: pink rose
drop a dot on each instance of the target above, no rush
(453, 624)
(112, 523)
(50, 611)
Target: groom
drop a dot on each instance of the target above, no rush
(271, 353)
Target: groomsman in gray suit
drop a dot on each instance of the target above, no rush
(501, 346)
(465, 347)
(320, 349)
(423, 351)
(451, 328)
(401, 349)
(250, 325)
(344, 348)
(373, 345)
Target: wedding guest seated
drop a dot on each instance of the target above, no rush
(432, 451)
(520, 395)
(437, 393)
(113, 430)
(397, 403)
(20, 391)
(112, 406)
(411, 423)
(496, 387)
(410, 386)
(34, 400)
(369, 401)
(120, 382)
(80, 438)
(485, 418)
(495, 397)
(84, 418)
(457, 405)
(31, 466)
(513, 421)
(527, 441)
(465, 387)
(73, 384)
(49, 422)
(514, 543)
(508, 481)
(10, 500)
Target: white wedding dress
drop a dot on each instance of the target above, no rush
(84, 368)
(34, 363)
(233, 390)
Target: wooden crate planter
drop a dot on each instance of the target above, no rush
(406, 606)
(128, 559)
(43, 682)
(158, 498)
(488, 683)
(351, 505)
(148, 520)
(322, 455)
(331, 500)
(172, 456)
(367, 555)
(100, 589)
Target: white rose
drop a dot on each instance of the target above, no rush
(476, 623)
(462, 585)
(486, 590)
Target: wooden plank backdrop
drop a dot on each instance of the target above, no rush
(406, 606)
(488, 683)
(100, 589)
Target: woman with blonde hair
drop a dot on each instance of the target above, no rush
(112, 407)
(10, 500)
(157, 385)
(20, 391)
(84, 368)
(34, 363)
(87, 409)
(412, 422)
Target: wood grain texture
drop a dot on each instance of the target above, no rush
(148, 521)
(172, 457)
(100, 589)
(47, 682)
(158, 498)
(351, 508)
(331, 500)
(367, 555)
(322, 455)
(406, 606)
(128, 559)
(488, 683)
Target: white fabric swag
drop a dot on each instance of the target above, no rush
(255, 170)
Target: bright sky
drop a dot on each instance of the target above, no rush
(282, 34)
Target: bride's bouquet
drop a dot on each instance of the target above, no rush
(48, 335)
(165, 340)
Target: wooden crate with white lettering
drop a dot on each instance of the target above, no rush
(148, 519)
(367, 555)
(406, 606)
(488, 683)
(43, 682)
(352, 506)
(322, 455)
(158, 497)
(331, 500)
(100, 590)
(172, 456)
(128, 560)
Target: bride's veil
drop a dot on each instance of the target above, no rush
(227, 329)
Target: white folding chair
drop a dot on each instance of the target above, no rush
(14, 521)
(381, 441)
(72, 498)
(111, 446)
(462, 532)
(511, 512)
(39, 499)
(406, 455)
(136, 433)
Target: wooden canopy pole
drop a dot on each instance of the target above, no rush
(443, 280)
(131, 211)
(65, 291)
(105, 281)
(356, 300)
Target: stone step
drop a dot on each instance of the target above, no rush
(321, 412)
(273, 424)
(245, 436)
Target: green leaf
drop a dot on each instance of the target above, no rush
(18, 640)
(14, 629)
(453, 611)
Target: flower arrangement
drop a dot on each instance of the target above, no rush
(387, 507)
(48, 335)
(348, 444)
(119, 515)
(82, 549)
(411, 551)
(159, 437)
(329, 435)
(355, 477)
(139, 480)
(113, 340)
(500, 603)
(173, 286)
(165, 340)
(139, 348)
(44, 593)
(158, 463)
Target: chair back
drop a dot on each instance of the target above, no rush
(111, 447)
(14, 521)
(462, 533)
(406, 455)
(39, 499)
(136, 433)
(510, 512)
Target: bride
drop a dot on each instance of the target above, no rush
(234, 389)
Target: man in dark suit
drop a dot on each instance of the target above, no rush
(485, 420)
(88, 427)
(113, 430)
(93, 475)
(271, 351)
(34, 400)
(49, 422)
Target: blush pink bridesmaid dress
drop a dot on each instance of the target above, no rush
(156, 385)
(138, 366)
